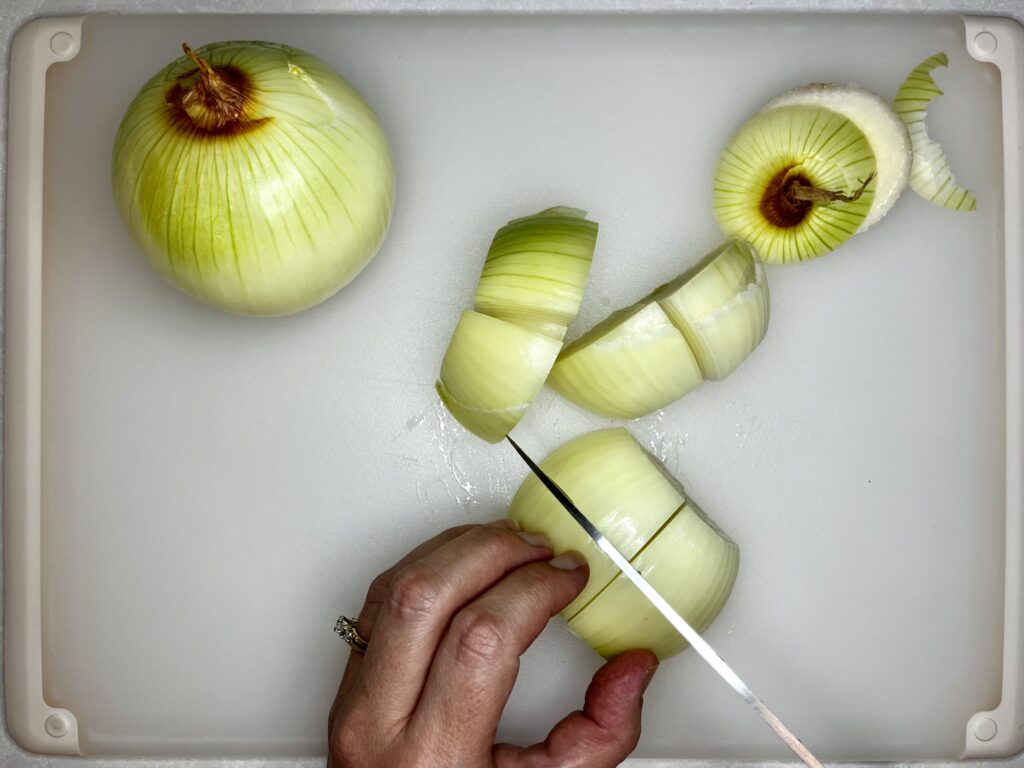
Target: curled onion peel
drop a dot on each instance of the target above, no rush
(701, 325)
(529, 291)
(253, 177)
(930, 175)
(624, 491)
(634, 501)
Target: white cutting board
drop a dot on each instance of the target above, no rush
(218, 489)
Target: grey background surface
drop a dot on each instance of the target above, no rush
(14, 13)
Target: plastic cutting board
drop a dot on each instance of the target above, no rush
(214, 490)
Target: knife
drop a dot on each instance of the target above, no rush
(691, 635)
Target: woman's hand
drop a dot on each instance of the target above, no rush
(446, 627)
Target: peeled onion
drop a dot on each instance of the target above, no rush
(253, 177)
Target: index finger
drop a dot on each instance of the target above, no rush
(377, 592)
(422, 598)
(478, 661)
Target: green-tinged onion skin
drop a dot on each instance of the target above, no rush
(491, 372)
(536, 270)
(269, 208)
(634, 501)
(621, 488)
(691, 563)
(930, 175)
(806, 145)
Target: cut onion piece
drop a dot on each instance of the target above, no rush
(883, 128)
(795, 181)
(721, 307)
(633, 363)
(930, 175)
(536, 270)
(626, 493)
(530, 290)
(491, 373)
(701, 325)
(691, 563)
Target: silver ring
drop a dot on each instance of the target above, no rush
(346, 629)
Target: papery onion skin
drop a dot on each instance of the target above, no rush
(269, 210)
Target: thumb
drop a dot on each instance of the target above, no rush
(607, 729)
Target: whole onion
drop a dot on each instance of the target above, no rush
(253, 177)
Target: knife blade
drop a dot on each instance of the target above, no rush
(698, 643)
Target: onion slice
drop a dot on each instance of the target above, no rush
(930, 175)
(629, 365)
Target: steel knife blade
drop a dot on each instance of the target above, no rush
(696, 641)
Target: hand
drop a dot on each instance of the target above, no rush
(446, 627)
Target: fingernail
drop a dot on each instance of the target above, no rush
(534, 539)
(568, 561)
(505, 522)
(648, 676)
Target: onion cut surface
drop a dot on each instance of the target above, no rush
(780, 154)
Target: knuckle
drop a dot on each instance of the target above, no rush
(478, 636)
(414, 591)
(497, 542)
(379, 588)
(346, 744)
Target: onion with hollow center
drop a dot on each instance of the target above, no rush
(253, 177)
(795, 181)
